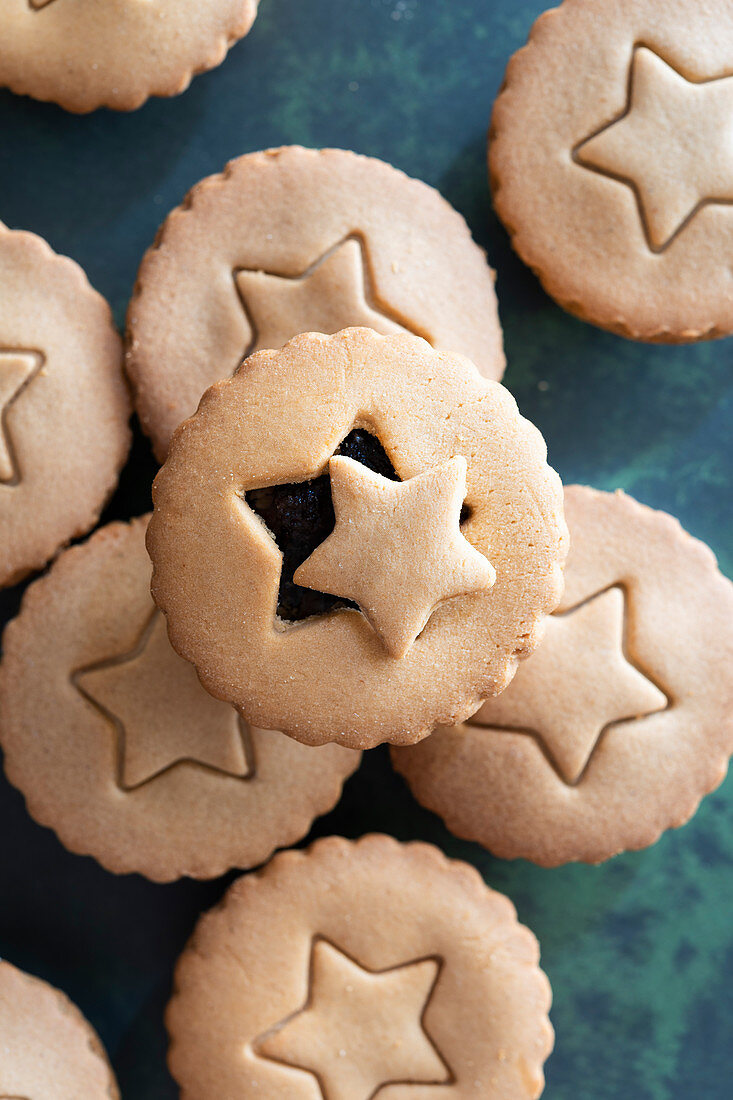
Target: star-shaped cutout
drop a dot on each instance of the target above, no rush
(360, 1030)
(17, 370)
(673, 145)
(577, 684)
(161, 714)
(330, 295)
(299, 516)
(397, 549)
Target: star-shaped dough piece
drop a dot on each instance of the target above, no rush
(397, 548)
(360, 1030)
(17, 368)
(577, 684)
(161, 714)
(673, 145)
(329, 296)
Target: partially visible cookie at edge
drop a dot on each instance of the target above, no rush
(116, 746)
(83, 54)
(48, 1048)
(621, 721)
(611, 163)
(363, 966)
(300, 240)
(64, 432)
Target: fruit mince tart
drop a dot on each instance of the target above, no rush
(355, 538)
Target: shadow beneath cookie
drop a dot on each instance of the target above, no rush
(140, 1059)
(132, 497)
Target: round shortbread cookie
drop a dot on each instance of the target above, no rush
(621, 721)
(300, 240)
(47, 1049)
(611, 163)
(64, 431)
(353, 969)
(117, 747)
(420, 604)
(84, 54)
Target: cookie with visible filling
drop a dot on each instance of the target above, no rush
(620, 722)
(611, 163)
(404, 600)
(83, 54)
(300, 240)
(355, 968)
(48, 1048)
(64, 431)
(117, 747)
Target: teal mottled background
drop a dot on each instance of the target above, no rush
(639, 951)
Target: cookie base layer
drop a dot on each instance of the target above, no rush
(64, 427)
(501, 782)
(588, 231)
(297, 240)
(398, 927)
(48, 1048)
(117, 747)
(124, 53)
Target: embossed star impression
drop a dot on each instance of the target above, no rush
(397, 549)
(17, 370)
(673, 145)
(161, 714)
(577, 684)
(360, 1030)
(330, 295)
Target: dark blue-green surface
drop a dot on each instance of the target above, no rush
(639, 951)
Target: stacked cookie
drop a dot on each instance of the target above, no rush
(356, 540)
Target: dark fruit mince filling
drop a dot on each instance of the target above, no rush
(301, 516)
